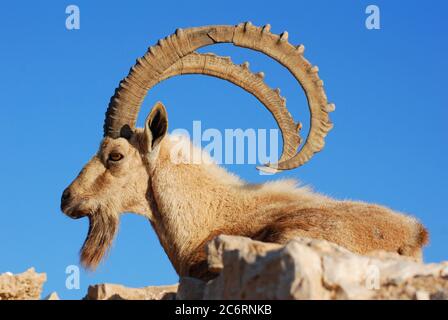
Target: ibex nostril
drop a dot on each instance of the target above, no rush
(65, 195)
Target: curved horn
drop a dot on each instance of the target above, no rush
(240, 75)
(125, 104)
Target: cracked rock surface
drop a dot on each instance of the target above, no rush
(301, 269)
(23, 286)
(314, 269)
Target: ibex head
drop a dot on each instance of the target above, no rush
(116, 179)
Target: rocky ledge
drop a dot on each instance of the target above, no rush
(307, 269)
(23, 286)
(301, 269)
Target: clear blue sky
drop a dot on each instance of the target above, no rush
(389, 144)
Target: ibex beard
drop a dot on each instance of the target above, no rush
(102, 230)
(99, 193)
(103, 226)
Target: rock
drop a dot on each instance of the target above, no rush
(301, 269)
(118, 292)
(190, 289)
(422, 295)
(24, 286)
(251, 249)
(52, 296)
(312, 269)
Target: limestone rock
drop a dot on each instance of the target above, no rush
(52, 296)
(313, 269)
(118, 292)
(24, 286)
(301, 269)
(190, 289)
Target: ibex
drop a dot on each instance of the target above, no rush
(188, 203)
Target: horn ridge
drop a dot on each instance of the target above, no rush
(152, 67)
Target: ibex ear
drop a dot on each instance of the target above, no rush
(156, 125)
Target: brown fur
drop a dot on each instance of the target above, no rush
(102, 230)
(188, 204)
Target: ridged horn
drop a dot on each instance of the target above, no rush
(223, 68)
(124, 106)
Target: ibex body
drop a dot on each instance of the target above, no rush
(188, 203)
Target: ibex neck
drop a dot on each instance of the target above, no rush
(195, 202)
(184, 199)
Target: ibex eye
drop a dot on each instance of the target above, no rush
(115, 156)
